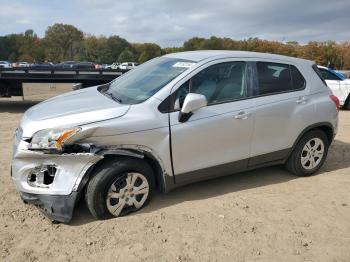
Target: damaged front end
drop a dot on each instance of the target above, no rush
(51, 179)
(51, 168)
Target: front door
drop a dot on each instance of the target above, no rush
(215, 140)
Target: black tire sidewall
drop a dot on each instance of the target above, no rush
(298, 168)
(105, 175)
(346, 105)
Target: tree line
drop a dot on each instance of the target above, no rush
(63, 42)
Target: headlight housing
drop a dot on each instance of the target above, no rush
(52, 139)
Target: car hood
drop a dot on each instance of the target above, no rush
(71, 109)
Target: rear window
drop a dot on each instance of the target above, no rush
(317, 71)
(278, 78)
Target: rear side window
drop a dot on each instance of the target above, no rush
(298, 80)
(278, 78)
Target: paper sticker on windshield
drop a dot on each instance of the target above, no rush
(183, 64)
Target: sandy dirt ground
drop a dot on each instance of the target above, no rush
(263, 215)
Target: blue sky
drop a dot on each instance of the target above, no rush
(170, 23)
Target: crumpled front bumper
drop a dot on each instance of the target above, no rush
(56, 197)
(56, 207)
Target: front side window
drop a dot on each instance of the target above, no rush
(278, 78)
(147, 79)
(220, 83)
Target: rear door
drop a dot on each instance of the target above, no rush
(282, 110)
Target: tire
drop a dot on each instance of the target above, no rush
(305, 162)
(115, 187)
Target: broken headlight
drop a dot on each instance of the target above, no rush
(52, 139)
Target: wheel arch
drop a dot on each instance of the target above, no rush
(149, 158)
(326, 127)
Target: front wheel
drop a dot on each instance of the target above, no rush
(309, 154)
(118, 187)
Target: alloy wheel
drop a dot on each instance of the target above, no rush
(312, 153)
(128, 192)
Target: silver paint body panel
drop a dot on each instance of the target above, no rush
(212, 136)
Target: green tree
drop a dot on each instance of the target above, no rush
(26, 58)
(115, 46)
(229, 44)
(8, 48)
(30, 47)
(169, 50)
(331, 54)
(146, 51)
(62, 42)
(126, 56)
(91, 49)
(193, 44)
(213, 43)
(65, 42)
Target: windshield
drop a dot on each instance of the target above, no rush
(145, 80)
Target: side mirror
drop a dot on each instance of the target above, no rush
(192, 103)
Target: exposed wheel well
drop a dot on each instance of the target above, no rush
(158, 172)
(324, 127)
(327, 130)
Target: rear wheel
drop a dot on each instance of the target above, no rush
(309, 154)
(119, 187)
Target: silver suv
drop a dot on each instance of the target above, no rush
(176, 119)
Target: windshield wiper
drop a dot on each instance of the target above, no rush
(110, 95)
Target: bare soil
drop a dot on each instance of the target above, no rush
(262, 215)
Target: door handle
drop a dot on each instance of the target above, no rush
(301, 100)
(242, 115)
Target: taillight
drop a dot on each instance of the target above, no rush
(336, 101)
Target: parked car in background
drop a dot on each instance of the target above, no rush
(5, 64)
(338, 83)
(177, 119)
(22, 64)
(342, 74)
(84, 66)
(42, 66)
(128, 65)
(105, 66)
(66, 65)
(115, 66)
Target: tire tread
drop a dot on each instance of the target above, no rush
(105, 173)
(293, 164)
